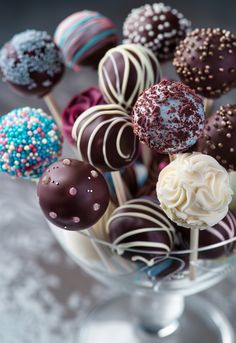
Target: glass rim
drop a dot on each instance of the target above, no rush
(88, 234)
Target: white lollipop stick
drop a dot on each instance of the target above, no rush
(119, 187)
(53, 108)
(194, 242)
(208, 103)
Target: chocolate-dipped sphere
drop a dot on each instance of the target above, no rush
(157, 27)
(31, 63)
(125, 71)
(72, 194)
(141, 224)
(224, 230)
(168, 117)
(84, 37)
(206, 61)
(105, 138)
(219, 137)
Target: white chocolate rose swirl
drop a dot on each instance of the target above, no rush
(194, 191)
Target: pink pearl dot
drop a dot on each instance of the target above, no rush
(53, 215)
(73, 191)
(76, 219)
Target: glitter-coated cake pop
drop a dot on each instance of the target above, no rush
(72, 194)
(168, 117)
(219, 137)
(84, 37)
(206, 61)
(141, 224)
(125, 71)
(194, 191)
(29, 142)
(105, 139)
(31, 63)
(157, 27)
(224, 230)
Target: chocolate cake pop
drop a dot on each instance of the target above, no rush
(125, 71)
(84, 37)
(194, 191)
(72, 194)
(224, 230)
(219, 138)
(140, 224)
(29, 142)
(31, 63)
(105, 138)
(206, 61)
(157, 27)
(168, 117)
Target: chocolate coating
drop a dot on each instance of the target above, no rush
(219, 137)
(168, 117)
(125, 71)
(72, 194)
(224, 230)
(140, 224)
(206, 61)
(84, 37)
(157, 27)
(105, 138)
(31, 63)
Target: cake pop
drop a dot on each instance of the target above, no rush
(194, 191)
(140, 224)
(218, 138)
(29, 142)
(206, 61)
(157, 27)
(105, 138)
(77, 105)
(125, 71)
(31, 63)
(84, 37)
(168, 117)
(72, 194)
(224, 230)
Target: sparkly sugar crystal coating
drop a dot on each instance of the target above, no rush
(206, 61)
(219, 137)
(31, 62)
(157, 27)
(168, 117)
(29, 141)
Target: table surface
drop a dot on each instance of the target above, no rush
(43, 293)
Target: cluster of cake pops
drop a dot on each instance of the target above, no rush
(132, 121)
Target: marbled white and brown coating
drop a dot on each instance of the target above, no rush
(72, 194)
(157, 27)
(206, 61)
(219, 137)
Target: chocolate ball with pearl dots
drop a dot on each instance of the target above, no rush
(157, 27)
(219, 137)
(72, 194)
(206, 61)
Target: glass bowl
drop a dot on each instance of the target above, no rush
(153, 303)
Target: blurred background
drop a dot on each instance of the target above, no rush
(43, 294)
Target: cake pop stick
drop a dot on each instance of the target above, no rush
(188, 190)
(53, 108)
(194, 242)
(208, 104)
(105, 139)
